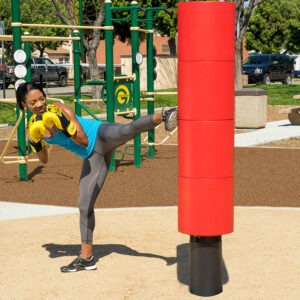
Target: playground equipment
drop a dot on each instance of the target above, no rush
(206, 135)
(122, 93)
(133, 84)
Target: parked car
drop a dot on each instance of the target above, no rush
(267, 68)
(9, 77)
(45, 70)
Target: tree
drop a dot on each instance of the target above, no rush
(37, 13)
(166, 23)
(67, 11)
(275, 26)
(93, 14)
(5, 15)
(243, 12)
(294, 43)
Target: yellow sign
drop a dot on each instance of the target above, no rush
(122, 94)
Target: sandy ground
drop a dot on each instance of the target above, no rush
(140, 253)
(142, 256)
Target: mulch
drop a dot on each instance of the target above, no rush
(263, 177)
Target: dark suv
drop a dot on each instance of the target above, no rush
(267, 68)
(45, 70)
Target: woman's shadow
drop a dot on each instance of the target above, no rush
(100, 251)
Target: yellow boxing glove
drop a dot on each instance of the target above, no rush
(37, 147)
(36, 129)
(55, 117)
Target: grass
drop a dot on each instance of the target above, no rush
(278, 94)
(8, 111)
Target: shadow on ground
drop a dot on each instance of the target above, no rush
(100, 251)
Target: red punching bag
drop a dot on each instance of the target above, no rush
(206, 39)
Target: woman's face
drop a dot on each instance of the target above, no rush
(35, 102)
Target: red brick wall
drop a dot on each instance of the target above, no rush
(125, 49)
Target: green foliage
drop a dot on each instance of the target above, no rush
(275, 25)
(5, 14)
(40, 12)
(36, 12)
(164, 23)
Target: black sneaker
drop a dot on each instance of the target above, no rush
(79, 264)
(170, 118)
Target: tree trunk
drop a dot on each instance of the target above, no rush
(94, 70)
(238, 66)
(172, 46)
(90, 45)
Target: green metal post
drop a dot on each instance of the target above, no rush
(28, 59)
(28, 75)
(109, 70)
(76, 63)
(136, 82)
(150, 81)
(15, 12)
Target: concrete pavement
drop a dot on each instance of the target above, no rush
(12, 211)
(52, 90)
(274, 131)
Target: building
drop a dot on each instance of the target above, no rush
(120, 48)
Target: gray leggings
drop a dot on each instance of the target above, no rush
(95, 167)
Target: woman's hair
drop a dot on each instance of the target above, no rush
(23, 90)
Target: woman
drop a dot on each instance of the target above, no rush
(94, 141)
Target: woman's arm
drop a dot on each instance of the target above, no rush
(80, 137)
(43, 156)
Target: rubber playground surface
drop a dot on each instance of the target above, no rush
(140, 253)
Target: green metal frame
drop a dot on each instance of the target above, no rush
(15, 12)
(151, 14)
(109, 82)
(150, 80)
(28, 76)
